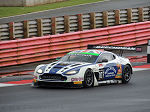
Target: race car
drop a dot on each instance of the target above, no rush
(83, 68)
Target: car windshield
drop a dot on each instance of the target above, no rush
(78, 57)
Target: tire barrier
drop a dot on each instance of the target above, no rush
(35, 49)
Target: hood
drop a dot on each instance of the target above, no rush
(61, 67)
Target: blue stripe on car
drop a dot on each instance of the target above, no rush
(76, 68)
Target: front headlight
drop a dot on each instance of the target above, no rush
(39, 71)
(72, 72)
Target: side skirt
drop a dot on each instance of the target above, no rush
(109, 82)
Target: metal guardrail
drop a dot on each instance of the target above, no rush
(72, 23)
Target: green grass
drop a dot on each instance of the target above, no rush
(11, 11)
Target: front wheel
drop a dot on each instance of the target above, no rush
(126, 76)
(88, 78)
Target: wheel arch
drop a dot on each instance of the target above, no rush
(93, 69)
(95, 78)
(85, 84)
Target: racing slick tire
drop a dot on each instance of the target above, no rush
(88, 79)
(126, 76)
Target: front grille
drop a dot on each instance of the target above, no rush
(59, 84)
(53, 77)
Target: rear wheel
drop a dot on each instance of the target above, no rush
(126, 76)
(88, 78)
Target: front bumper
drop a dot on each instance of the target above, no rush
(58, 80)
(78, 84)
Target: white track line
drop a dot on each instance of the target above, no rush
(6, 85)
(140, 69)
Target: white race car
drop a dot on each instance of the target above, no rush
(83, 68)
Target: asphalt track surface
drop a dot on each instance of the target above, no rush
(131, 97)
(94, 7)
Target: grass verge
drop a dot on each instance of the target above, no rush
(11, 11)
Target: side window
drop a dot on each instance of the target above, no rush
(107, 56)
(113, 57)
(102, 56)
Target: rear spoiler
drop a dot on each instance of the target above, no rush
(118, 48)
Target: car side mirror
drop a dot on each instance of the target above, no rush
(104, 60)
(58, 58)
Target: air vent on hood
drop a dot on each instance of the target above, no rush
(75, 65)
(64, 69)
(63, 64)
(58, 67)
(53, 64)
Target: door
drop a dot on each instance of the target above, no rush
(109, 62)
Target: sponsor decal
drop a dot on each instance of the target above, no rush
(110, 74)
(88, 52)
(77, 82)
(35, 77)
(97, 52)
(77, 79)
(34, 80)
(100, 65)
(101, 74)
(119, 73)
(110, 70)
(85, 53)
(118, 76)
(119, 68)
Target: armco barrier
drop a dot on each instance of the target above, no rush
(15, 73)
(34, 49)
(137, 58)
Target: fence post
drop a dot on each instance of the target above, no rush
(105, 18)
(92, 20)
(129, 15)
(117, 17)
(0, 35)
(39, 27)
(26, 29)
(80, 22)
(53, 25)
(67, 24)
(141, 18)
(11, 31)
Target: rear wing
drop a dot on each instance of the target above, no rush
(120, 49)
